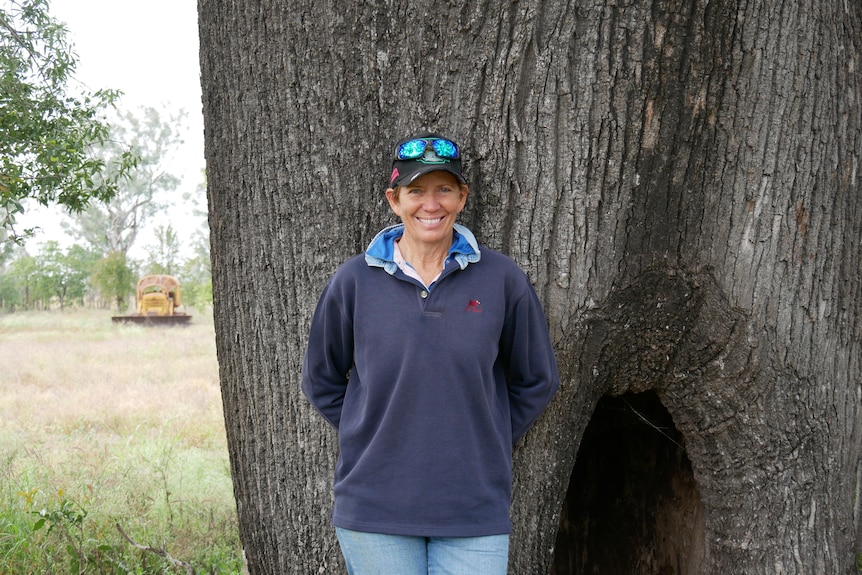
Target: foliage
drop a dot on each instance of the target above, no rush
(53, 275)
(8, 288)
(9, 295)
(114, 279)
(113, 226)
(62, 536)
(63, 275)
(46, 134)
(197, 287)
(67, 518)
(163, 254)
(8, 252)
(24, 270)
(196, 272)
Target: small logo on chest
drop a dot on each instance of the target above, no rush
(474, 306)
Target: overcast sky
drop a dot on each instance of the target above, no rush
(149, 51)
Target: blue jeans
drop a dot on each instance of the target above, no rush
(378, 554)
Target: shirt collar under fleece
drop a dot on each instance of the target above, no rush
(381, 250)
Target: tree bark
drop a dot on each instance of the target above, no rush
(679, 179)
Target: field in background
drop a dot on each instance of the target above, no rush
(104, 424)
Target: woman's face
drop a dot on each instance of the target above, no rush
(428, 207)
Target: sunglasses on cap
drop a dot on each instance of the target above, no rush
(415, 149)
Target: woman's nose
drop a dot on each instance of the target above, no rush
(432, 202)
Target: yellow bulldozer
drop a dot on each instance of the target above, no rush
(158, 298)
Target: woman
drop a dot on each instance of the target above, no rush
(431, 358)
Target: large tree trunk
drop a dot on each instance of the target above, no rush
(679, 179)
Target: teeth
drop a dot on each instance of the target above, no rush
(429, 221)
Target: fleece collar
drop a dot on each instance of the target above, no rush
(381, 250)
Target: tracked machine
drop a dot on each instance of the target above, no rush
(158, 297)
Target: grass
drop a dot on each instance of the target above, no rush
(105, 425)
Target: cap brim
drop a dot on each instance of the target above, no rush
(408, 171)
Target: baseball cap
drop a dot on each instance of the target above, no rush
(422, 153)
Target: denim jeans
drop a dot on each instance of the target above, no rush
(378, 554)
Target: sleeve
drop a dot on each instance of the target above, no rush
(328, 357)
(532, 374)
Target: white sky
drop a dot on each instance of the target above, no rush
(149, 51)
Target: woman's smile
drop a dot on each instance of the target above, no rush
(430, 221)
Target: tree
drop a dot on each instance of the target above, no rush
(113, 226)
(162, 255)
(10, 296)
(680, 181)
(62, 275)
(46, 132)
(53, 276)
(79, 263)
(24, 271)
(196, 272)
(114, 279)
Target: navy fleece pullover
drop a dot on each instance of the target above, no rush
(428, 389)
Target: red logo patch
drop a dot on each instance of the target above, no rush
(474, 306)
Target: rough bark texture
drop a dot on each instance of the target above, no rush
(680, 180)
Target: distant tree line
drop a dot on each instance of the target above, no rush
(57, 278)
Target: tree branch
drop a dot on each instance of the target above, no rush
(161, 552)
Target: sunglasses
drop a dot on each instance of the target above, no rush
(414, 149)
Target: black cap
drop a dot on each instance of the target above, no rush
(406, 171)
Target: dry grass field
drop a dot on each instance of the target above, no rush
(105, 424)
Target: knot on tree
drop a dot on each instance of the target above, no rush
(661, 325)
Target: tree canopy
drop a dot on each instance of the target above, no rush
(113, 225)
(47, 130)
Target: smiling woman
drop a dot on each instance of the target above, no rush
(430, 391)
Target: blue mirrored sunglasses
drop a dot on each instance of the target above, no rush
(415, 149)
